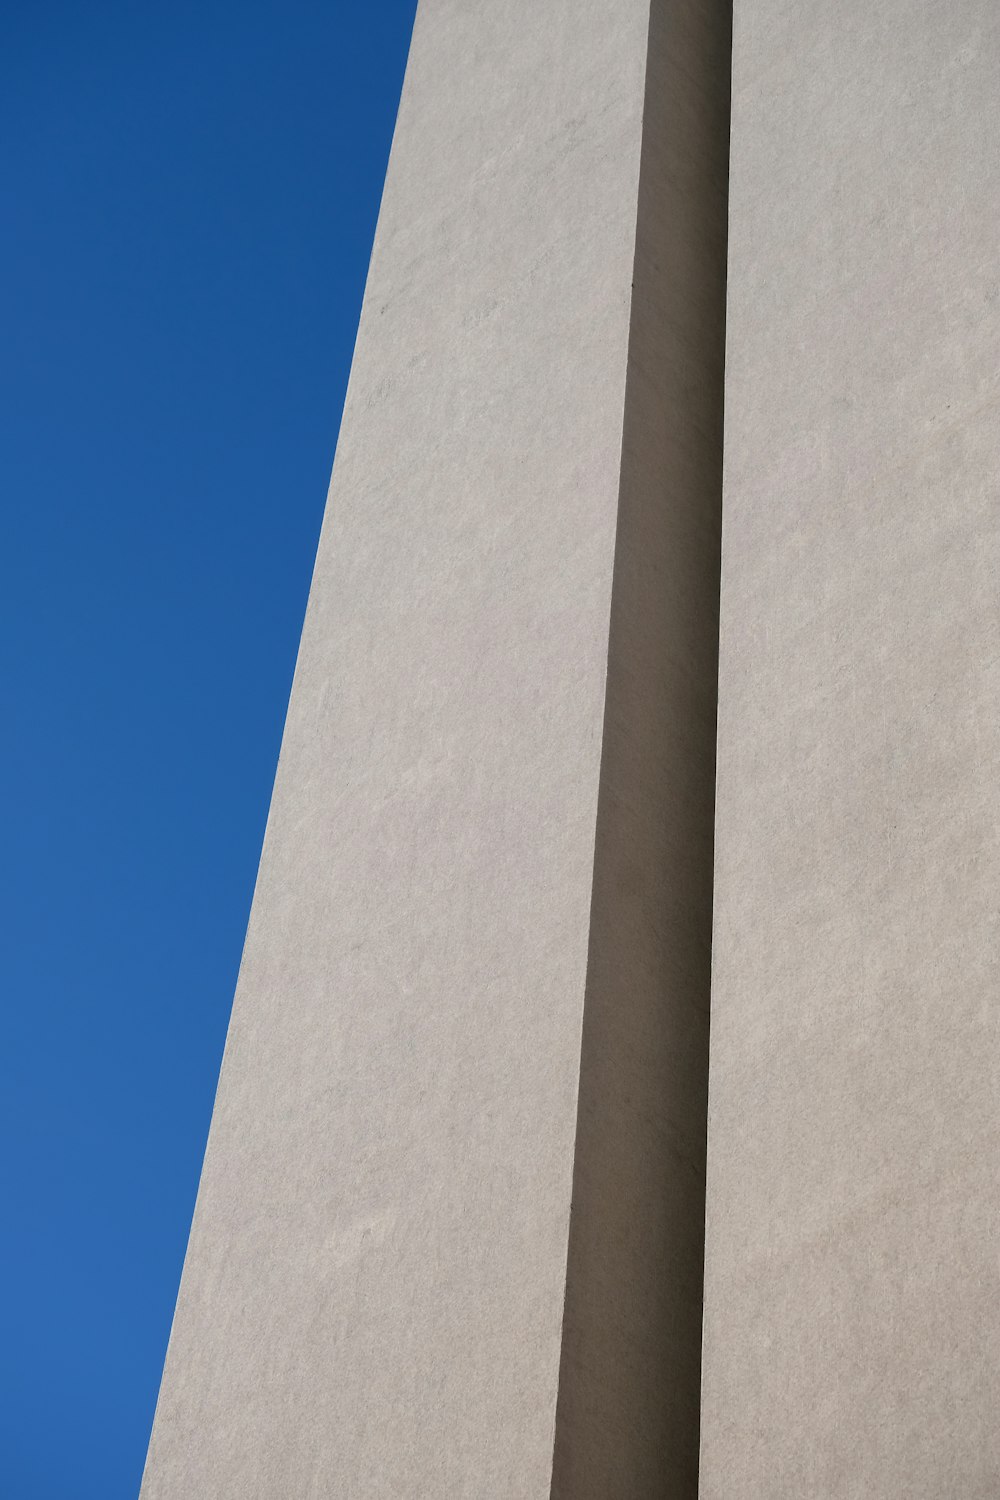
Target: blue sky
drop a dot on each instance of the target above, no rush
(189, 195)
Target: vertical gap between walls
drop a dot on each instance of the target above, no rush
(627, 1418)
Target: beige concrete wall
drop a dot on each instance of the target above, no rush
(853, 1282)
(372, 1302)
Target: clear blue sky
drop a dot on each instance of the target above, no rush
(189, 193)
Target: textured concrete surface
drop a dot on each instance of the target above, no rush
(372, 1302)
(852, 1331)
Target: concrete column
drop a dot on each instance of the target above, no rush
(475, 984)
(852, 1329)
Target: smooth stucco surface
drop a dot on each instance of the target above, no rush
(852, 1286)
(372, 1302)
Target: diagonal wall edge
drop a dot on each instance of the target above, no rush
(375, 1299)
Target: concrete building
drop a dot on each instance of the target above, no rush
(451, 1229)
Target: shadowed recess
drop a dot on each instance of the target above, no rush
(627, 1417)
